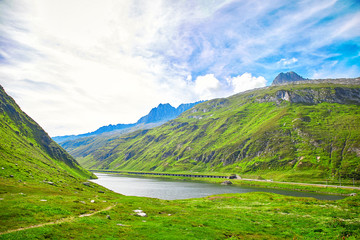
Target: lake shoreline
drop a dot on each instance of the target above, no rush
(292, 186)
(170, 188)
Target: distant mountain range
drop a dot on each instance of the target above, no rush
(157, 115)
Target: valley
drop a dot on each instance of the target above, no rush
(296, 132)
(305, 131)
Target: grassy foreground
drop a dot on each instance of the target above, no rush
(229, 216)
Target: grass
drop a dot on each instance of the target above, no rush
(43, 194)
(227, 216)
(246, 134)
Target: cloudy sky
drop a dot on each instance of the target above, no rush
(76, 65)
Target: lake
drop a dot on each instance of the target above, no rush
(169, 189)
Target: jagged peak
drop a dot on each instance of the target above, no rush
(287, 77)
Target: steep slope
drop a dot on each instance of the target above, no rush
(82, 147)
(286, 78)
(159, 114)
(310, 128)
(26, 150)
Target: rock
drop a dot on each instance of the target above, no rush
(108, 217)
(11, 176)
(43, 200)
(287, 77)
(101, 192)
(227, 182)
(83, 202)
(92, 201)
(51, 183)
(140, 213)
(86, 183)
(353, 194)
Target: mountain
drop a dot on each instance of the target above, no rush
(159, 114)
(310, 129)
(165, 112)
(27, 151)
(83, 146)
(286, 78)
(101, 130)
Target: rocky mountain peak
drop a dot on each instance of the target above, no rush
(287, 77)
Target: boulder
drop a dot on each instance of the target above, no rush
(227, 182)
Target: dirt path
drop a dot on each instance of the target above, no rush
(63, 220)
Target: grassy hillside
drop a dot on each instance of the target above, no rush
(43, 196)
(26, 150)
(296, 131)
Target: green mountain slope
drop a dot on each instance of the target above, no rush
(26, 150)
(302, 128)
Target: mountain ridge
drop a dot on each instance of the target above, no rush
(159, 114)
(276, 127)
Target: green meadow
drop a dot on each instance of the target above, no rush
(228, 216)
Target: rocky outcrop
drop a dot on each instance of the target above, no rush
(286, 78)
(342, 95)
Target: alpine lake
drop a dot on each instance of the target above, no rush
(171, 189)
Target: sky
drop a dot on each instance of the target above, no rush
(77, 65)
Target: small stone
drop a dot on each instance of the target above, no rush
(86, 183)
(11, 176)
(227, 182)
(352, 194)
(43, 200)
(92, 201)
(169, 214)
(1, 199)
(2, 168)
(108, 217)
(83, 202)
(101, 192)
(51, 183)
(140, 213)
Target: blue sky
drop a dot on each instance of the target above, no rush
(77, 65)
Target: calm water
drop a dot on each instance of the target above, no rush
(169, 189)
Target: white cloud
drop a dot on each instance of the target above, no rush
(77, 65)
(246, 81)
(285, 62)
(207, 87)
